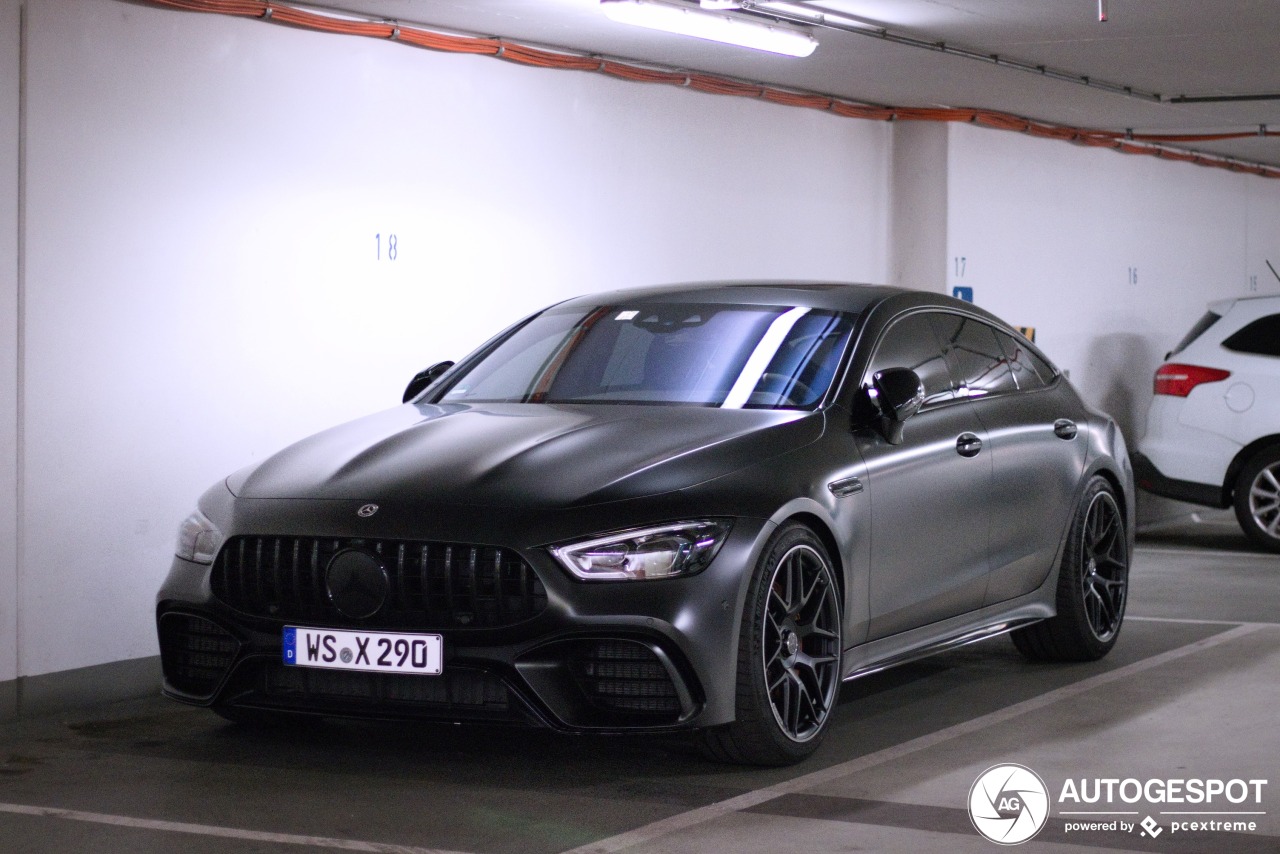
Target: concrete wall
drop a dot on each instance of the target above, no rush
(208, 275)
(918, 206)
(1110, 257)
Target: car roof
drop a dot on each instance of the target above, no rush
(835, 296)
(865, 301)
(1264, 302)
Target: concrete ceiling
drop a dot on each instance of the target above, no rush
(1169, 48)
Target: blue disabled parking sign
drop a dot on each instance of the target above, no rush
(962, 292)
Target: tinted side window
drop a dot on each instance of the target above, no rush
(1261, 337)
(1046, 371)
(1029, 370)
(911, 343)
(974, 356)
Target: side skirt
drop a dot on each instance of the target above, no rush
(949, 634)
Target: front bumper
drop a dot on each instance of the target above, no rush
(620, 656)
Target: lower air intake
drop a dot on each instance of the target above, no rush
(625, 676)
(459, 688)
(195, 653)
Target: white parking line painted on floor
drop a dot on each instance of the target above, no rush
(1191, 622)
(225, 832)
(1183, 551)
(660, 828)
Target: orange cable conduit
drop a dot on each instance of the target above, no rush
(1125, 142)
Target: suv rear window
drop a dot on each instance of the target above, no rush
(1261, 337)
(1196, 331)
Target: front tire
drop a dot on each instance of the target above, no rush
(789, 649)
(1257, 498)
(1093, 585)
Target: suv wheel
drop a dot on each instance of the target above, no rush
(1257, 498)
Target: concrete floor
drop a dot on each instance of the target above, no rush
(1190, 692)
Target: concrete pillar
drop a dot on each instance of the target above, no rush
(10, 126)
(918, 206)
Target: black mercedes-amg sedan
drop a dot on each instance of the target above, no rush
(692, 507)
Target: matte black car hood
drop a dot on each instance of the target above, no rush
(525, 454)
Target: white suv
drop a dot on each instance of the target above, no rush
(1213, 430)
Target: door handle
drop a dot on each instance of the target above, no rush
(1064, 428)
(968, 445)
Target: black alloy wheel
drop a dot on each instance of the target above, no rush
(1093, 584)
(788, 656)
(1105, 574)
(801, 642)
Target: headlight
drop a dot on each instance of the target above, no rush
(198, 539)
(681, 548)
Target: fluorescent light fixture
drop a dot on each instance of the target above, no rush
(813, 16)
(719, 27)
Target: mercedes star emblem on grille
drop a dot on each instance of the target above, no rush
(357, 583)
(367, 510)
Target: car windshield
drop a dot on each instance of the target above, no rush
(730, 356)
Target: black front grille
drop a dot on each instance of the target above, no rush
(459, 689)
(195, 653)
(625, 676)
(432, 585)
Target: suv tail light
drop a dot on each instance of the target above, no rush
(1178, 380)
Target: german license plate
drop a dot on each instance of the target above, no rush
(376, 652)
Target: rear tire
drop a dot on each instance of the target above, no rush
(1257, 498)
(789, 649)
(1093, 585)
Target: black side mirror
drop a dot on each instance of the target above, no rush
(423, 379)
(897, 394)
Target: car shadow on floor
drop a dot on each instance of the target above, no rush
(1215, 530)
